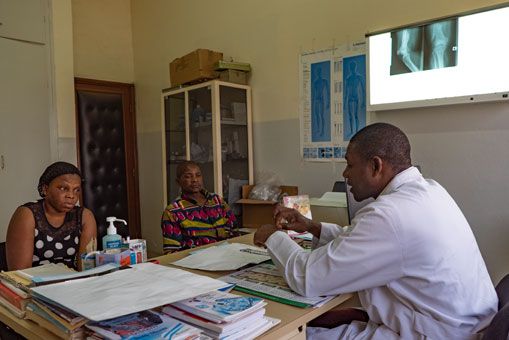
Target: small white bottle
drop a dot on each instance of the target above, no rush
(112, 242)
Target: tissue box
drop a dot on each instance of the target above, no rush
(123, 258)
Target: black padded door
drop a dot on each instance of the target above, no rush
(102, 157)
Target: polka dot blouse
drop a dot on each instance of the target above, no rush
(56, 245)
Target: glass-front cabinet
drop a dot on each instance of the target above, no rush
(209, 123)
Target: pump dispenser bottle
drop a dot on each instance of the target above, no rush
(112, 241)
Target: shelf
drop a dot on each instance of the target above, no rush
(223, 122)
(175, 161)
(228, 122)
(220, 103)
(234, 160)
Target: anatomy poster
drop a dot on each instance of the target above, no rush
(333, 100)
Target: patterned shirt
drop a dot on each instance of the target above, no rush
(56, 245)
(185, 224)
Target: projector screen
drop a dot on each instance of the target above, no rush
(456, 60)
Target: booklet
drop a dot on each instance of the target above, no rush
(220, 329)
(299, 203)
(220, 307)
(144, 325)
(266, 281)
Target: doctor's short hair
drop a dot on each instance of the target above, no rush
(182, 167)
(385, 141)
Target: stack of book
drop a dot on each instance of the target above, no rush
(13, 296)
(143, 325)
(55, 319)
(224, 315)
(14, 286)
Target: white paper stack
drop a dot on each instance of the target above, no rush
(225, 256)
(118, 293)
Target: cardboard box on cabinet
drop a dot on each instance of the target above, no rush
(195, 66)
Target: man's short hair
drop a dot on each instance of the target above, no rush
(182, 167)
(385, 141)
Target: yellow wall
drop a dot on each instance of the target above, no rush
(103, 40)
(448, 142)
(62, 41)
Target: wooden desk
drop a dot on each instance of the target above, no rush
(293, 319)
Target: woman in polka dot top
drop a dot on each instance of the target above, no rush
(53, 229)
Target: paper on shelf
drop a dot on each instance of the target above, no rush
(144, 286)
(226, 256)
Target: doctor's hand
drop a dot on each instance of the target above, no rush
(263, 233)
(291, 219)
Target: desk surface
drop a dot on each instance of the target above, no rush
(293, 319)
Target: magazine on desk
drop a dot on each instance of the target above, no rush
(145, 325)
(265, 280)
(220, 307)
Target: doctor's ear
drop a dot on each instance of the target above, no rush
(377, 164)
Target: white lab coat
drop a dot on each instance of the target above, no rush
(413, 259)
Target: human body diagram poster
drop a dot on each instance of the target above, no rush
(333, 100)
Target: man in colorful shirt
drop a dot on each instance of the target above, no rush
(197, 217)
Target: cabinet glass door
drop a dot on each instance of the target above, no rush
(175, 133)
(234, 142)
(200, 133)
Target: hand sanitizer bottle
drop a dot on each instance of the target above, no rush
(112, 242)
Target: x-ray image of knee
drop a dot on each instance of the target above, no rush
(320, 102)
(440, 44)
(354, 95)
(425, 47)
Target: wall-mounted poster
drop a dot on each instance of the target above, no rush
(333, 100)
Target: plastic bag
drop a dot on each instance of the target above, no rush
(267, 188)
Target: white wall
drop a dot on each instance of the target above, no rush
(460, 146)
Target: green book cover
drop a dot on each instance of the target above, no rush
(272, 297)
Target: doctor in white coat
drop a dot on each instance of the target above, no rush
(410, 254)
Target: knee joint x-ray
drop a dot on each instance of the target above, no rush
(425, 47)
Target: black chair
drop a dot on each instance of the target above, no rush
(499, 326)
(3, 257)
(339, 186)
